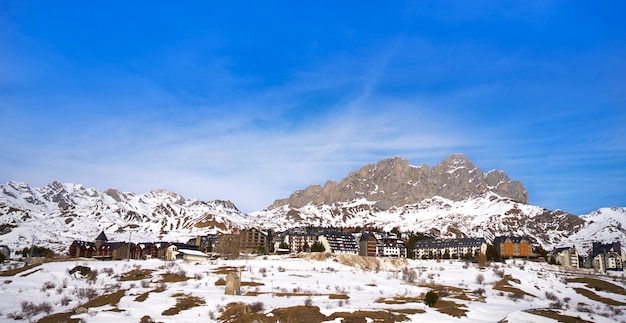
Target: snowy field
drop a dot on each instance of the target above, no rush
(314, 288)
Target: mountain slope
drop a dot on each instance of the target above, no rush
(452, 199)
(486, 216)
(58, 213)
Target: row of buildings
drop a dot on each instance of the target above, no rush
(603, 257)
(102, 248)
(372, 244)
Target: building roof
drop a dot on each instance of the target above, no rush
(452, 243)
(598, 248)
(102, 237)
(193, 253)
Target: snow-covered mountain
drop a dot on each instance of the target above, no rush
(452, 199)
(58, 213)
(486, 216)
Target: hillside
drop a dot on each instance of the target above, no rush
(451, 199)
(58, 213)
(311, 289)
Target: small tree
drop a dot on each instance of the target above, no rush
(431, 298)
(317, 247)
(480, 278)
(481, 259)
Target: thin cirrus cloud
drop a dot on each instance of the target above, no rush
(253, 105)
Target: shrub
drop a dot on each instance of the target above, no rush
(257, 307)
(108, 271)
(220, 282)
(431, 298)
(516, 295)
(408, 275)
(308, 301)
(29, 309)
(480, 278)
(87, 293)
(47, 285)
(65, 300)
(551, 296)
(479, 291)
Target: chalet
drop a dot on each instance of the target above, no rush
(153, 250)
(368, 245)
(511, 246)
(607, 256)
(82, 249)
(566, 257)
(112, 251)
(452, 248)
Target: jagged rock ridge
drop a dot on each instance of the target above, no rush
(394, 182)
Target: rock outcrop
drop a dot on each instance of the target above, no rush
(394, 182)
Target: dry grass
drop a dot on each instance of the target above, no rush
(243, 313)
(64, 317)
(136, 274)
(16, 271)
(409, 311)
(363, 316)
(299, 314)
(591, 295)
(369, 263)
(451, 308)
(183, 302)
(145, 295)
(225, 270)
(107, 299)
(598, 285)
(504, 285)
(557, 316)
(338, 296)
(400, 299)
(254, 293)
(253, 284)
(173, 278)
(296, 294)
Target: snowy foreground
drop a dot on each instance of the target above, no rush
(153, 290)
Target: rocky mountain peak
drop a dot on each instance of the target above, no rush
(393, 182)
(455, 162)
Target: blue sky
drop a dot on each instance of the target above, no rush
(249, 101)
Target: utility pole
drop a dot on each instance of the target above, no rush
(130, 233)
(30, 253)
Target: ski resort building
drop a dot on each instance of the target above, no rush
(453, 248)
(607, 256)
(566, 257)
(340, 242)
(512, 246)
